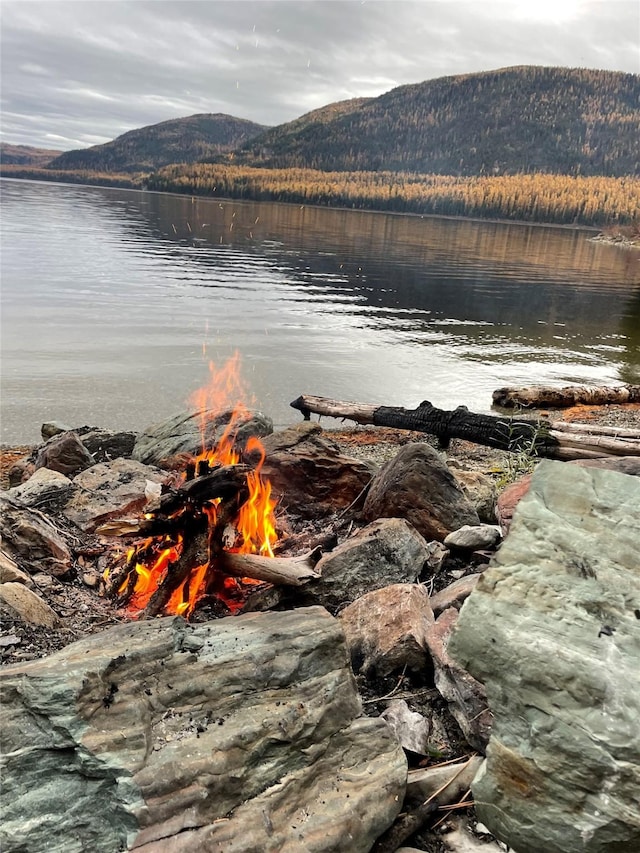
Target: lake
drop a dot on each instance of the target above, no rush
(114, 301)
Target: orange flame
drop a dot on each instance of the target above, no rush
(255, 527)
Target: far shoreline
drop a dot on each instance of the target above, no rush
(229, 199)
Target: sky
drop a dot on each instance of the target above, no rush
(75, 74)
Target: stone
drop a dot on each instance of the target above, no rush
(309, 474)
(28, 605)
(106, 444)
(552, 629)
(45, 488)
(9, 571)
(242, 734)
(622, 464)
(418, 486)
(410, 728)
(21, 470)
(471, 537)
(110, 490)
(385, 630)
(454, 594)
(182, 434)
(64, 453)
(464, 695)
(32, 539)
(481, 492)
(386, 552)
(52, 428)
(508, 500)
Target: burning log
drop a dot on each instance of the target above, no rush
(570, 395)
(539, 437)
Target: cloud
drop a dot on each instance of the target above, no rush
(81, 72)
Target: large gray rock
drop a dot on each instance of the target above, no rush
(183, 434)
(552, 629)
(32, 539)
(388, 551)
(242, 734)
(418, 486)
(110, 490)
(308, 472)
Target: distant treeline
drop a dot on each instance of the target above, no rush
(560, 199)
(78, 176)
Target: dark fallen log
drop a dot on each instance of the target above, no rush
(571, 395)
(502, 433)
(537, 437)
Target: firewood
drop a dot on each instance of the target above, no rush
(288, 571)
(539, 437)
(502, 433)
(570, 395)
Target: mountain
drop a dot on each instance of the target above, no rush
(513, 120)
(25, 155)
(182, 140)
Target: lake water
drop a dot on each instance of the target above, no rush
(114, 301)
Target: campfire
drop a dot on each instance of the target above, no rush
(212, 532)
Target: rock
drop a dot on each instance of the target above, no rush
(182, 434)
(45, 488)
(410, 728)
(9, 571)
(389, 551)
(509, 499)
(28, 605)
(52, 428)
(481, 492)
(32, 539)
(454, 594)
(385, 629)
(450, 781)
(470, 537)
(242, 734)
(464, 695)
(106, 444)
(552, 630)
(110, 490)
(309, 473)
(21, 470)
(418, 486)
(436, 557)
(622, 464)
(64, 453)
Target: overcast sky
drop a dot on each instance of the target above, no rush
(79, 73)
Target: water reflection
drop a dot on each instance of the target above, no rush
(109, 296)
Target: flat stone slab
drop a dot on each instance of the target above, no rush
(242, 734)
(110, 490)
(552, 629)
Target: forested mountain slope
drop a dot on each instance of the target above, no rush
(513, 120)
(182, 140)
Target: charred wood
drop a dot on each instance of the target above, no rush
(501, 433)
(539, 437)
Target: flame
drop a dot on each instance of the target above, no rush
(254, 527)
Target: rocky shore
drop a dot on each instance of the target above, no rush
(445, 652)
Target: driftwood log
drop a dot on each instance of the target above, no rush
(539, 437)
(570, 395)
